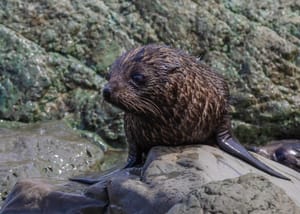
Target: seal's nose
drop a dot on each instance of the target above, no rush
(106, 92)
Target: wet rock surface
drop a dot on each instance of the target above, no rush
(44, 150)
(197, 179)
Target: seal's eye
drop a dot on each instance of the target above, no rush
(138, 78)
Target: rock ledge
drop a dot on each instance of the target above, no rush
(192, 179)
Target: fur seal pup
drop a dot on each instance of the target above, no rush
(286, 152)
(171, 99)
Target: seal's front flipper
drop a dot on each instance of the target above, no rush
(227, 143)
(88, 181)
(133, 160)
(102, 178)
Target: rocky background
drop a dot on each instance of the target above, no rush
(54, 56)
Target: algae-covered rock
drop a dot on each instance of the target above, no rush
(36, 85)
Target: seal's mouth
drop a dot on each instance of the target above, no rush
(118, 105)
(130, 103)
(108, 97)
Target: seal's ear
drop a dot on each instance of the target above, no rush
(139, 55)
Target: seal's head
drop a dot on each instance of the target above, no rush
(138, 79)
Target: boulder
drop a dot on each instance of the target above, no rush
(191, 179)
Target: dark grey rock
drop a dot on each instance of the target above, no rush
(249, 193)
(41, 197)
(192, 179)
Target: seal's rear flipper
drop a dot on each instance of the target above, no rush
(227, 143)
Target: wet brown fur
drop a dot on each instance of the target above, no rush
(181, 102)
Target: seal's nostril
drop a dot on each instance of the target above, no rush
(106, 92)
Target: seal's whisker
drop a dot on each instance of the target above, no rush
(151, 106)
